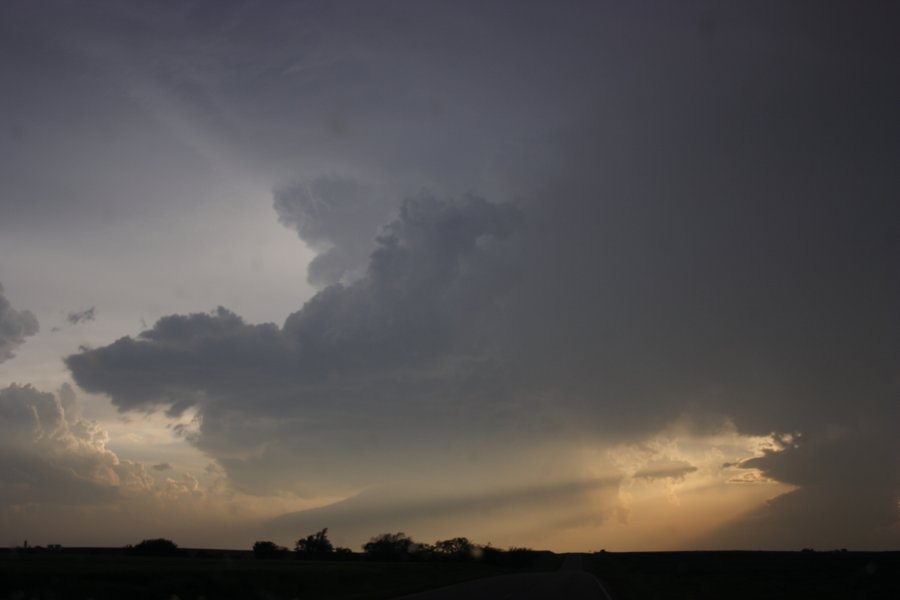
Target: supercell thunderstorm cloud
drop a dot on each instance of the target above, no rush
(570, 275)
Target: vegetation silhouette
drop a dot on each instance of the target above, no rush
(268, 550)
(391, 546)
(135, 572)
(458, 548)
(316, 545)
(399, 547)
(155, 547)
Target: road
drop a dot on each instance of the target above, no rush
(571, 582)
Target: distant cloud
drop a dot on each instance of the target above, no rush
(492, 512)
(51, 454)
(665, 468)
(81, 316)
(15, 326)
(61, 483)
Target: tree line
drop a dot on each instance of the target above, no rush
(395, 547)
(390, 547)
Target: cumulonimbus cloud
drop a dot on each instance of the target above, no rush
(679, 246)
(400, 339)
(473, 308)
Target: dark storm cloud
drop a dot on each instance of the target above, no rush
(15, 326)
(74, 121)
(848, 485)
(82, 316)
(705, 223)
(197, 352)
(337, 216)
(407, 330)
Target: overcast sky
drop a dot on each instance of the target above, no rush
(568, 275)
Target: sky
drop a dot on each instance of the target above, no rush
(565, 275)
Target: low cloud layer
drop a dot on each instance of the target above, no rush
(15, 326)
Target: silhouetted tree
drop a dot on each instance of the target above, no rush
(316, 545)
(266, 549)
(156, 547)
(390, 546)
(456, 548)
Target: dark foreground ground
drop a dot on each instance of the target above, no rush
(97, 576)
(569, 582)
(748, 575)
(627, 576)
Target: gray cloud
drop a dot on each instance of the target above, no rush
(337, 216)
(847, 490)
(407, 309)
(82, 316)
(704, 224)
(163, 466)
(15, 326)
(410, 323)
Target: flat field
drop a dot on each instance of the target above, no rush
(70, 576)
(749, 575)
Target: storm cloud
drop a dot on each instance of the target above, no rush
(847, 486)
(410, 328)
(535, 230)
(340, 218)
(15, 326)
(457, 316)
(411, 308)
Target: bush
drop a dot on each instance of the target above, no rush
(156, 547)
(390, 546)
(316, 545)
(267, 550)
(459, 548)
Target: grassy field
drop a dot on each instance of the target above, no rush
(46, 577)
(749, 575)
